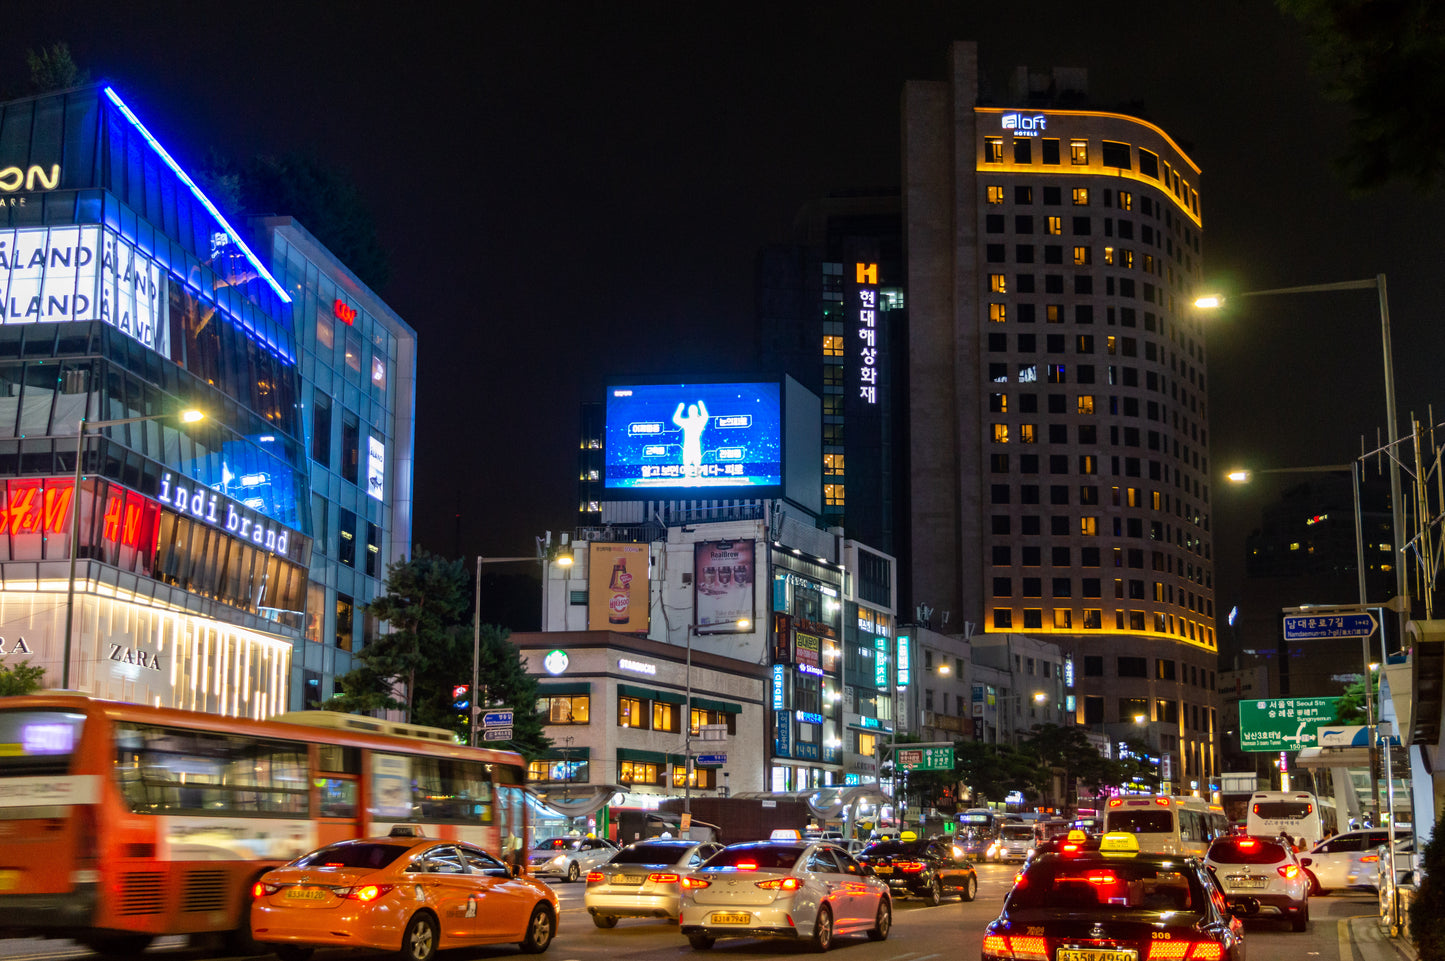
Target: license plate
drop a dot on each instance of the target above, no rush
(9, 879)
(1097, 954)
(1244, 881)
(627, 879)
(731, 918)
(883, 869)
(305, 894)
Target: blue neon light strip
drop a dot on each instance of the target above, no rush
(196, 191)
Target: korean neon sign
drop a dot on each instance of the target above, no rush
(868, 332)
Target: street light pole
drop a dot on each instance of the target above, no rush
(186, 416)
(477, 704)
(741, 624)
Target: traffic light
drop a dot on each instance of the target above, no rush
(461, 698)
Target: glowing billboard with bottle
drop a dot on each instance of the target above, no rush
(694, 436)
(617, 592)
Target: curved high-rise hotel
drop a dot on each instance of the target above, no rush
(1058, 454)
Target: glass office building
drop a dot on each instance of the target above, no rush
(357, 405)
(125, 298)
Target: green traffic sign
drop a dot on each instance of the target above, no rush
(925, 758)
(1283, 724)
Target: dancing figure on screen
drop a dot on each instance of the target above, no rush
(691, 426)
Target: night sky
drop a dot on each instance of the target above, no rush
(572, 191)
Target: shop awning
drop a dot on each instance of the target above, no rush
(650, 694)
(722, 707)
(560, 690)
(567, 754)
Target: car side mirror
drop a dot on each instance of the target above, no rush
(1306, 862)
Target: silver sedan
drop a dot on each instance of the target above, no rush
(569, 858)
(783, 889)
(643, 880)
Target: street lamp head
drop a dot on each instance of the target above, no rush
(1040, 697)
(1209, 302)
(944, 669)
(1240, 476)
(191, 415)
(1138, 719)
(564, 560)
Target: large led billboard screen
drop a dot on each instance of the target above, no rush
(715, 436)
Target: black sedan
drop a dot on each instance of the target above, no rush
(929, 869)
(1114, 904)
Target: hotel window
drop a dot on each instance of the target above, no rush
(1109, 256)
(702, 777)
(1093, 619)
(1028, 433)
(665, 717)
(630, 712)
(1056, 226)
(1063, 619)
(1081, 196)
(1082, 257)
(832, 346)
(998, 313)
(1111, 345)
(564, 710)
(1126, 200)
(998, 283)
(832, 463)
(1000, 433)
(1003, 617)
(1078, 152)
(833, 495)
(995, 193)
(993, 150)
(1054, 314)
(1050, 149)
(1023, 151)
(1023, 194)
(998, 403)
(1089, 526)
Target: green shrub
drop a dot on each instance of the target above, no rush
(1427, 914)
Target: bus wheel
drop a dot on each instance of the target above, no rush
(117, 945)
(238, 940)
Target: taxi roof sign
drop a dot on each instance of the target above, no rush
(1076, 836)
(1119, 842)
(786, 834)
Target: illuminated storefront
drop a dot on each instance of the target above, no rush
(126, 297)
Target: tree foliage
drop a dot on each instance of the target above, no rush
(1067, 749)
(23, 678)
(427, 652)
(1381, 59)
(51, 68)
(322, 197)
(1427, 913)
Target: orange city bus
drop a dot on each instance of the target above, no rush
(120, 823)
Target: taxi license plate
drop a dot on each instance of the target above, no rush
(9, 879)
(883, 869)
(305, 894)
(1097, 954)
(1242, 881)
(731, 918)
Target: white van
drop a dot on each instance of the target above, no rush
(1165, 824)
(1299, 814)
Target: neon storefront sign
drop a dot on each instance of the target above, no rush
(205, 505)
(1025, 125)
(13, 178)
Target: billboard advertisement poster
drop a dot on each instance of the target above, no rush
(617, 594)
(809, 651)
(722, 583)
(694, 435)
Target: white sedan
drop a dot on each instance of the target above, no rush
(568, 858)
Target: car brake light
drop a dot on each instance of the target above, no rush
(1247, 845)
(693, 884)
(1162, 801)
(747, 865)
(1371, 858)
(1023, 948)
(261, 889)
(365, 892)
(910, 867)
(1069, 847)
(666, 877)
(1114, 802)
(594, 876)
(1186, 951)
(1289, 871)
(1104, 877)
(780, 884)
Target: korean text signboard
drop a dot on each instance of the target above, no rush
(925, 758)
(1284, 724)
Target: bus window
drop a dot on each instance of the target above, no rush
(338, 797)
(165, 770)
(38, 743)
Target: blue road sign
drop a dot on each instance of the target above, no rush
(497, 719)
(1309, 627)
(711, 760)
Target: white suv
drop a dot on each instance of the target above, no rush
(1329, 861)
(1261, 873)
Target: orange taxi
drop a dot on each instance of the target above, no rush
(408, 894)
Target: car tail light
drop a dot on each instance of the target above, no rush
(1370, 858)
(594, 876)
(261, 889)
(1288, 871)
(1247, 844)
(747, 865)
(364, 892)
(910, 867)
(1020, 947)
(664, 877)
(780, 884)
(1186, 951)
(694, 884)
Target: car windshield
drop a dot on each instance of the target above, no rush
(1141, 822)
(364, 854)
(886, 849)
(557, 844)
(1116, 884)
(1246, 851)
(1016, 832)
(1282, 810)
(750, 857)
(650, 854)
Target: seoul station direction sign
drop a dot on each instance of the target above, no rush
(1284, 724)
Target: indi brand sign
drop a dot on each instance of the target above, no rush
(204, 504)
